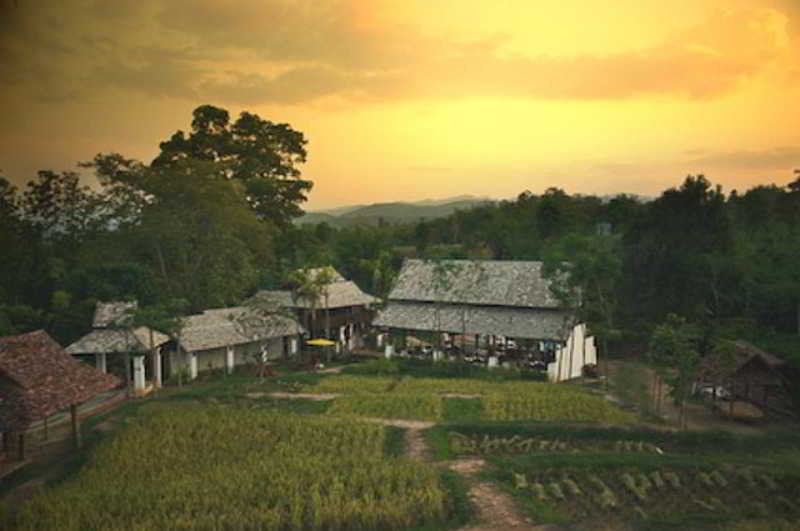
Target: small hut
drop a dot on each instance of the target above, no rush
(37, 379)
(110, 334)
(758, 378)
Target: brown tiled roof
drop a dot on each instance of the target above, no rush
(38, 378)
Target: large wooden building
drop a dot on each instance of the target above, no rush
(497, 303)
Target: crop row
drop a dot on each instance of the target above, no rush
(189, 467)
(486, 445)
(641, 494)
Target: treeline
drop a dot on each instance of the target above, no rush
(728, 262)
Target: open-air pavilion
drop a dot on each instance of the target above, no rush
(501, 305)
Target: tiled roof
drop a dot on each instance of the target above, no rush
(109, 314)
(233, 326)
(115, 341)
(482, 282)
(517, 322)
(43, 379)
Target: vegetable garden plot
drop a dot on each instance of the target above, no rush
(486, 445)
(659, 491)
(193, 467)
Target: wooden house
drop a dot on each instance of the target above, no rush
(342, 310)
(498, 303)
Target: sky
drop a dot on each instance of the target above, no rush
(415, 99)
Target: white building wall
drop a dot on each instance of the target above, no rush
(570, 359)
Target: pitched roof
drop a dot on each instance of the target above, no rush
(316, 271)
(746, 351)
(480, 282)
(340, 295)
(116, 341)
(528, 323)
(109, 314)
(233, 326)
(45, 379)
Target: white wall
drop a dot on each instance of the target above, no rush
(570, 359)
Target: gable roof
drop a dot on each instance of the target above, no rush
(117, 341)
(45, 379)
(340, 295)
(479, 282)
(224, 327)
(746, 351)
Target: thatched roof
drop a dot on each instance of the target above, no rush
(480, 282)
(234, 326)
(117, 341)
(112, 314)
(340, 295)
(38, 378)
(456, 318)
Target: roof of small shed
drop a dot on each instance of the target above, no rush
(43, 379)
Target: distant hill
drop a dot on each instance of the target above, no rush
(399, 212)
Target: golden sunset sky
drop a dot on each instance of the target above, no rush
(415, 99)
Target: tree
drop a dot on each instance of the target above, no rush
(583, 273)
(164, 317)
(193, 229)
(673, 344)
(260, 155)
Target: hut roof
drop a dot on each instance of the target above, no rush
(116, 341)
(316, 271)
(233, 326)
(109, 314)
(340, 295)
(479, 282)
(528, 323)
(747, 351)
(41, 379)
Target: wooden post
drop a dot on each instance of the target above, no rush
(76, 429)
(21, 446)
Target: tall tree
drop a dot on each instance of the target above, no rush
(261, 155)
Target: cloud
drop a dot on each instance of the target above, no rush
(299, 51)
(779, 158)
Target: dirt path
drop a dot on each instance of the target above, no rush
(308, 396)
(496, 510)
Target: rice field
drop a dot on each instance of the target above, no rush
(223, 467)
(421, 399)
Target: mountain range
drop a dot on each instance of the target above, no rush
(396, 212)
